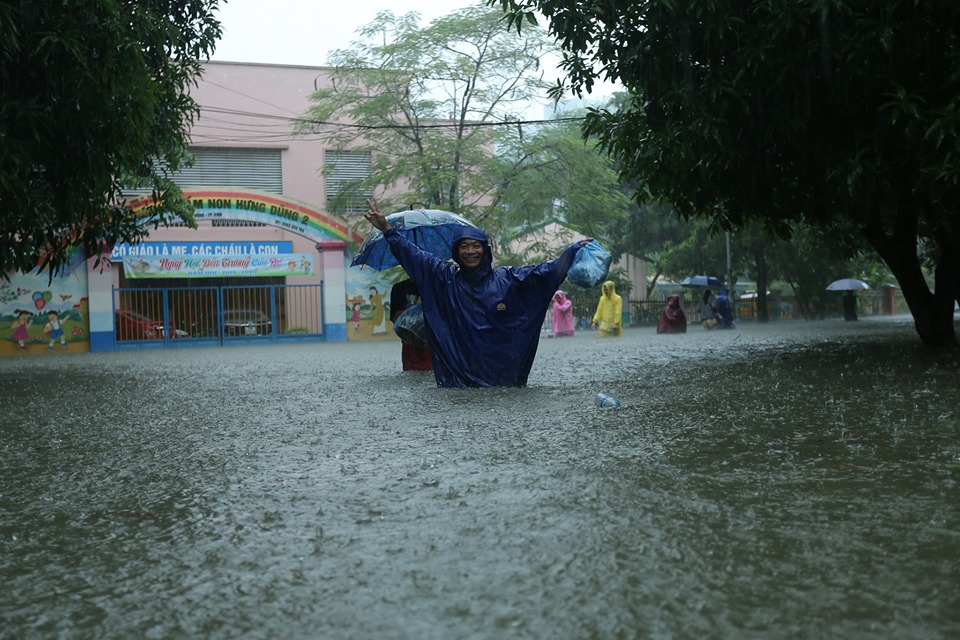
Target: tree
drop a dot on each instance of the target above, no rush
(815, 256)
(426, 103)
(787, 112)
(551, 174)
(94, 99)
(674, 247)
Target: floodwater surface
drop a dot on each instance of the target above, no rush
(790, 480)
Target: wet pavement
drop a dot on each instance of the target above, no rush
(789, 480)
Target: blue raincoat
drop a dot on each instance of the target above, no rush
(483, 324)
(724, 310)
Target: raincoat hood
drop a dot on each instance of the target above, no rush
(560, 298)
(609, 288)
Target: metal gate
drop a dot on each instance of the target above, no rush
(146, 318)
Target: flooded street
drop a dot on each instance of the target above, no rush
(790, 480)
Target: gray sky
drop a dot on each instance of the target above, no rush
(303, 32)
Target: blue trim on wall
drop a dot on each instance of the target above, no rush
(335, 332)
(102, 341)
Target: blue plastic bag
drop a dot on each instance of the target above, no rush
(590, 266)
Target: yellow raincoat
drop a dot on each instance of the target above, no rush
(609, 315)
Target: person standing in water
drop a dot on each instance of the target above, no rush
(672, 317)
(562, 315)
(850, 307)
(707, 311)
(724, 310)
(403, 295)
(482, 323)
(609, 316)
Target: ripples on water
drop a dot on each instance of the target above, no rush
(784, 481)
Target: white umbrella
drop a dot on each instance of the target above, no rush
(847, 284)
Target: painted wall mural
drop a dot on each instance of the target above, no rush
(367, 301)
(40, 316)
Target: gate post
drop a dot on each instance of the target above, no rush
(334, 289)
(100, 304)
(889, 300)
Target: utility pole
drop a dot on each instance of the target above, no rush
(731, 285)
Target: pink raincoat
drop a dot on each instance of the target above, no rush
(562, 315)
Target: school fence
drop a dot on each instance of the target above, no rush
(646, 313)
(196, 316)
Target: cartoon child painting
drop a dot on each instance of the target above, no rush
(20, 325)
(355, 318)
(53, 329)
(379, 316)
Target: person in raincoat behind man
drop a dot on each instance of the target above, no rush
(609, 315)
(404, 295)
(482, 324)
(562, 315)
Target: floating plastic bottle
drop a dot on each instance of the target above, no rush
(604, 401)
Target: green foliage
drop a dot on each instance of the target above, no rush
(424, 102)
(94, 98)
(782, 113)
(551, 174)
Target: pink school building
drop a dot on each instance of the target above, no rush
(268, 261)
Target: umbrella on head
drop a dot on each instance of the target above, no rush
(702, 282)
(847, 284)
(430, 229)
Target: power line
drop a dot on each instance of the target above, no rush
(453, 125)
(370, 127)
(246, 95)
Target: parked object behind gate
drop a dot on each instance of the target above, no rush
(132, 325)
(246, 322)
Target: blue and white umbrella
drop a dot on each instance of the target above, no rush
(848, 284)
(702, 282)
(430, 229)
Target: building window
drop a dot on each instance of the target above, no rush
(233, 167)
(230, 167)
(346, 173)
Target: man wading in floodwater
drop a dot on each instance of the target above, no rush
(483, 324)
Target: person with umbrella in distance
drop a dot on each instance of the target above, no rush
(851, 286)
(707, 311)
(482, 323)
(850, 307)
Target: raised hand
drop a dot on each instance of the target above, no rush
(374, 216)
